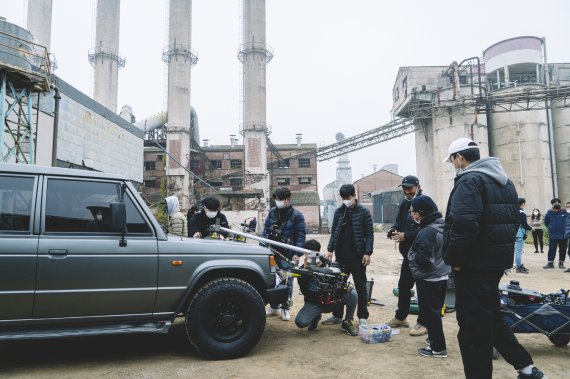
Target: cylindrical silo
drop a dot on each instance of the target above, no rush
(105, 55)
(561, 124)
(456, 122)
(179, 57)
(520, 138)
(39, 21)
(254, 55)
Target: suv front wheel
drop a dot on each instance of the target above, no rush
(225, 319)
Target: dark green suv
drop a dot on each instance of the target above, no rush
(81, 254)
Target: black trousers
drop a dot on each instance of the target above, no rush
(405, 284)
(481, 326)
(552, 244)
(358, 271)
(431, 296)
(537, 239)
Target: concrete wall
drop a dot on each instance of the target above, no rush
(561, 121)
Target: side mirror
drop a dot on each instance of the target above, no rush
(118, 217)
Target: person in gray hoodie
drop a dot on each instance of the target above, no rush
(430, 272)
(481, 222)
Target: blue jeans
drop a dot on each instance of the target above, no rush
(286, 267)
(519, 244)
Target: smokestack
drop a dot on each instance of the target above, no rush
(232, 140)
(299, 139)
(179, 56)
(373, 168)
(104, 57)
(39, 21)
(205, 142)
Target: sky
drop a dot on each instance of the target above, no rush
(334, 65)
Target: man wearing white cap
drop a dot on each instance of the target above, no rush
(481, 224)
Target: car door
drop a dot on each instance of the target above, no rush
(82, 271)
(18, 246)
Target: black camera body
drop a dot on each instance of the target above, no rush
(275, 234)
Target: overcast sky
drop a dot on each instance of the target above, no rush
(334, 67)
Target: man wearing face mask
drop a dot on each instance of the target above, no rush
(284, 224)
(352, 240)
(481, 223)
(210, 216)
(405, 231)
(555, 221)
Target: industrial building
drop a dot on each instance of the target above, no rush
(511, 101)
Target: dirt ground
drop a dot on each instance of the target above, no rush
(286, 351)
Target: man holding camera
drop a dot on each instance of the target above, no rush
(405, 231)
(284, 224)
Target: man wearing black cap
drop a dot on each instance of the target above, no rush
(405, 231)
(481, 223)
(555, 221)
(430, 272)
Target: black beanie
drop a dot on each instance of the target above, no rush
(424, 205)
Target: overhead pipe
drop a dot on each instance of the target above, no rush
(57, 98)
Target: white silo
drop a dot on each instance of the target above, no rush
(104, 56)
(180, 59)
(39, 21)
(255, 54)
(520, 138)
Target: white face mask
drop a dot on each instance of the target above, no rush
(348, 203)
(211, 214)
(417, 221)
(99, 217)
(535, 213)
(280, 204)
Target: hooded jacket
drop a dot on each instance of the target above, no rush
(177, 223)
(482, 218)
(426, 253)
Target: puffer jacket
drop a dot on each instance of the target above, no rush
(426, 253)
(362, 228)
(203, 224)
(292, 226)
(405, 223)
(177, 223)
(555, 221)
(482, 218)
(567, 229)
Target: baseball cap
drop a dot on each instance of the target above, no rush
(424, 205)
(460, 145)
(410, 181)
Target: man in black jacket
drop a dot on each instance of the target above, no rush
(481, 223)
(352, 240)
(405, 231)
(204, 222)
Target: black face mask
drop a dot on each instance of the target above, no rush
(556, 206)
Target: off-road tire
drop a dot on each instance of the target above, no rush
(225, 319)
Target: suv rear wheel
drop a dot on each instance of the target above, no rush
(225, 319)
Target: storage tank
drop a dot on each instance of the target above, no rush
(14, 51)
(561, 124)
(520, 138)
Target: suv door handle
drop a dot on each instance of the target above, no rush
(57, 254)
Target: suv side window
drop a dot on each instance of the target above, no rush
(81, 206)
(15, 203)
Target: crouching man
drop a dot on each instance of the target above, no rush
(317, 301)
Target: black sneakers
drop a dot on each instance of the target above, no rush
(522, 270)
(428, 352)
(349, 328)
(561, 264)
(535, 374)
(314, 324)
(549, 265)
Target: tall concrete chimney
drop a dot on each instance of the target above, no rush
(255, 54)
(180, 59)
(104, 57)
(39, 21)
(233, 140)
(299, 137)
